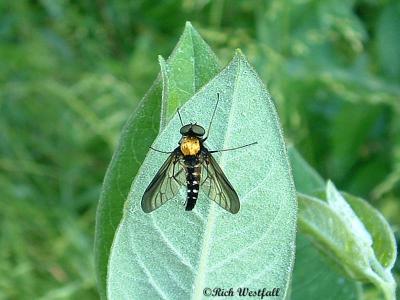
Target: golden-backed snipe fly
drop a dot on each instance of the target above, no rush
(192, 165)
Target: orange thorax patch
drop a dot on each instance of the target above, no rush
(190, 146)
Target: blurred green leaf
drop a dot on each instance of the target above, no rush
(315, 278)
(210, 247)
(344, 238)
(190, 56)
(311, 265)
(306, 179)
(384, 244)
(387, 42)
(350, 135)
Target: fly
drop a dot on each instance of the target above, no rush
(191, 165)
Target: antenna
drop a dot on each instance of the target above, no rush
(212, 118)
(254, 143)
(179, 114)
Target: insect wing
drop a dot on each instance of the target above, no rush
(217, 187)
(165, 184)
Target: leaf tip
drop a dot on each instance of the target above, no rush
(188, 25)
(330, 186)
(239, 54)
(331, 191)
(241, 58)
(189, 29)
(161, 60)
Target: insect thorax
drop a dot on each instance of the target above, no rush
(190, 145)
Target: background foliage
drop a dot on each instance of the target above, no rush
(71, 73)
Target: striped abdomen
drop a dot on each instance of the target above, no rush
(193, 172)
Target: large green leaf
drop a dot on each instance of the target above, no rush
(173, 254)
(339, 229)
(191, 65)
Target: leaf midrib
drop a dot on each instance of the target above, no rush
(204, 252)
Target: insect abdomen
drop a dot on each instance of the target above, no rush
(193, 183)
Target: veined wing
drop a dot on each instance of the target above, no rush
(165, 184)
(217, 187)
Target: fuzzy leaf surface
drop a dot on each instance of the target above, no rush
(173, 254)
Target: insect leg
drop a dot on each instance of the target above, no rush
(167, 152)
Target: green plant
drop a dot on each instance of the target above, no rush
(364, 251)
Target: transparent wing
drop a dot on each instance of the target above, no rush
(165, 184)
(217, 187)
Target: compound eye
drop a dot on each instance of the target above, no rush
(198, 130)
(185, 129)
